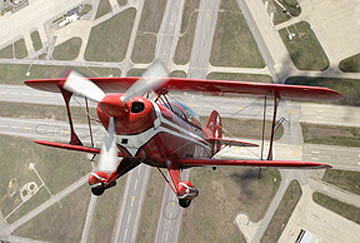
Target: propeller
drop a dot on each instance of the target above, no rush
(154, 77)
(108, 154)
(78, 84)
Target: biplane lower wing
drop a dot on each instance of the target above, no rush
(71, 147)
(253, 163)
(120, 84)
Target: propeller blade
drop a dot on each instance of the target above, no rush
(108, 154)
(80, 85)
(152, 79)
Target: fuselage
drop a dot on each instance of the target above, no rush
(155, 133)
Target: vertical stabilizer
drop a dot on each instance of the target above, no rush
(213, 129)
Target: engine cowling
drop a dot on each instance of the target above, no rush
(186, 190)
(97, 178)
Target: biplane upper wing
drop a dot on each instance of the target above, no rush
(253, 163)
(120, 84)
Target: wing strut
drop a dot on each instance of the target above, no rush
(276, 103)
(263, 130)
(74, 139)
(89, 122)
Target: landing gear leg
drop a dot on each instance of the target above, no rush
(184, 203)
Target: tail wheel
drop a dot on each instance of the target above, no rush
(184, 203)
(97, 191)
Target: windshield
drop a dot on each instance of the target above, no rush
(189, 113)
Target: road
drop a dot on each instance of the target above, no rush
(128, 220)
(170, 216)
(205, 30)
(88, 220)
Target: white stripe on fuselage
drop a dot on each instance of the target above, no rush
(135, 142)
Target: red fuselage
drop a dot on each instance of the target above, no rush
(154, 133)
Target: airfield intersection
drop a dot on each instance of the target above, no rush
(120, 215)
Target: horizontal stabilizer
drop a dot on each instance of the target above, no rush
(294, 164)
(229, 142)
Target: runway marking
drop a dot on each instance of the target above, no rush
(135, 184)
(132, 203)
(15, 93)
(239, 108)
(314, 158)
(294, 153)
(291, 111)
(171, 23)
(4, 125)
(26, 128)
(315, 152)
(358, 163)
(166, 236)
(129, 218)
(319, 117)
(191, 105)
(172, 204)
(133, 198)
(16, 127)
(207, 15)
(126, 230)
(66, 132)
(37, 94)
(320, 110)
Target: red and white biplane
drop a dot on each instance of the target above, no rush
(162, 133)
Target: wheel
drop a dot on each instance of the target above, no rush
(184, 203)
(97, 191)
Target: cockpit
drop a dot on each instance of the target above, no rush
(185, 112)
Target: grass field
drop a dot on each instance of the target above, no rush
(36, 41)
(279, 15)
(104, 8)
(135, 72)
(15, 73)
(292, 6)
(283, 213)
(7, 52)
(223, 194)
(36, 111)
(145, 42)
(20, 49)
(246, 128)
(332, 135)
(151, 207)
(233, 43)
(57, 224)
(68, 50)
(240, 77)
(346, 210)
(304, 49)
(350, 88)
(58, 168)
(345, 179)
(109, 40)
(185, 42)
(350, 64)
(152, 15)
(178, 74)
(106, 213)
(190, 6)
(144, 48)
(122, 2)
